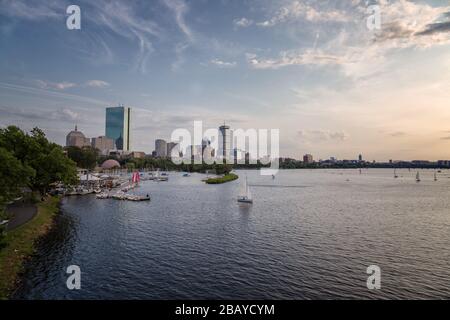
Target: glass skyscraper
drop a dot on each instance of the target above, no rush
(118, 120)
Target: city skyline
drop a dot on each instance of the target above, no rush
(333, 87)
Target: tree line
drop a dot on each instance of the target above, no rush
(29, 160)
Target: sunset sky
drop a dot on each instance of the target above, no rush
(312, 69)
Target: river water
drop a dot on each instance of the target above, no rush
(310, 234)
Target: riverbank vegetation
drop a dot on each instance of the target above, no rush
(29, 164)
(31, 161)
(226, 178)
(19, 244)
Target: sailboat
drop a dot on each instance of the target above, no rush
(395, 174)
(417, 177)
(246, 197)
(435, 176)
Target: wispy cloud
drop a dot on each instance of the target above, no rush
(97, 84)
(322, 135)
(43, 92)
(33, 10)
(242, 22)
(180, 9)
(295, 57)
(300, 10)
(397, 134)
(223, 64)
(55, 85)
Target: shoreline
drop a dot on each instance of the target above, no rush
(20, 244)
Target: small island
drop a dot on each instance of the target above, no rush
(226, 178)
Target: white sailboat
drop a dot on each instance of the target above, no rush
(435, 176)
(395, 174)
(417, 177)
(246, 196)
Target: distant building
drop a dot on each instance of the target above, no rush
(77, 139)
(110, 164)
(224, 142)
(360, 158)
(443, 163)
(170, 147)
(137, 155)
(308, 158)
(161, 148)
(104, 144)
(118, 126)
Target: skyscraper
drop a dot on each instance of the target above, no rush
(161, 148)
(170, 147)
(118, 126)
(224, 142)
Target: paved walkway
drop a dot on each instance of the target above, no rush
(20, 214)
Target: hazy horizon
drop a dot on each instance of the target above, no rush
(312, 69)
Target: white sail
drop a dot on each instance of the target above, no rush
(243, 191)
(248, 193)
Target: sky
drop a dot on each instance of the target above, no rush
(312, 69)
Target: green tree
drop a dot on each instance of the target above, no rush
(34, 151)
(86, 157)
(13, 176)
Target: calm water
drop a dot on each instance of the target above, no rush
(309, 235)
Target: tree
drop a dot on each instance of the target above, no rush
(85, 157)
(46, 159)
(53, 167)
(13, 176)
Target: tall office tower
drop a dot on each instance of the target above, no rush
(118, 126)
(170, 147)
(161, 148)
(224, 142)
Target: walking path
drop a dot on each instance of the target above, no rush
(21, 213)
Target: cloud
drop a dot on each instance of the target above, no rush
(180, 8)
(58, 114)
(123, 19)
(397, 134)
(242, 23)
(33, 10)
(299, 10)
(435, 28)
(411, 24)
(97, 84)
(322, 135)
(223, 64)
(55, 85)
(54, 95)
(295, 57)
